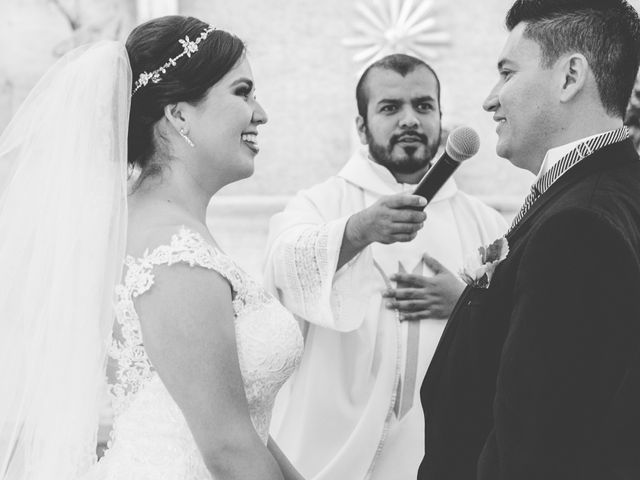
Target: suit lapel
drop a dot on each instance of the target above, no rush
(604, 159)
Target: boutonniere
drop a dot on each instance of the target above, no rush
(479, 267)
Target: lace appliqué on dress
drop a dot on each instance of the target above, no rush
(134, 367)
(151, 439)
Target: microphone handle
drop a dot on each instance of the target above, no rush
(436, 177)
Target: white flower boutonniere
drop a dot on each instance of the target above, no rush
(479, 267)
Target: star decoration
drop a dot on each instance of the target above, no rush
(396, 26)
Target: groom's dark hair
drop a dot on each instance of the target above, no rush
(606, 32)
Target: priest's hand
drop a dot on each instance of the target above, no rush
(419, 298)
(394, 218)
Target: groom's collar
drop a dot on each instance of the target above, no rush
(363, 172)
(554, 155)
(616, 154)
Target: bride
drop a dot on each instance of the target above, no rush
(198, 350)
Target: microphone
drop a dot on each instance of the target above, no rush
(462, 144)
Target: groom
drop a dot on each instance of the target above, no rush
(538, 375)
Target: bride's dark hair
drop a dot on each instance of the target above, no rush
(149, 46)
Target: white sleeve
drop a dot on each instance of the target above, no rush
(303, 250)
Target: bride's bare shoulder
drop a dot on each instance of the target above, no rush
(175, 283)
(151, 230)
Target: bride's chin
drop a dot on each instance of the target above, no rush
(247, 169)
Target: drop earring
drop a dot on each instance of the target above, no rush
(184, 135)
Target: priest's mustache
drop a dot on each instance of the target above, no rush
(419, 136)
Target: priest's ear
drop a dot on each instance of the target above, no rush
(361, 126)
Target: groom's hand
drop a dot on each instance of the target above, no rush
(419, 298)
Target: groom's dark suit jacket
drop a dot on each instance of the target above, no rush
(538, 376)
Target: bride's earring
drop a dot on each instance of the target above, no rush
(184, 135)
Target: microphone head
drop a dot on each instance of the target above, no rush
(463, 143)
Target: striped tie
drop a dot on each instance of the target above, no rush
(572, 158)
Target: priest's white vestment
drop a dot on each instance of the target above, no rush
(352, 410)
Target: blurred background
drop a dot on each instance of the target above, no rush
(306, 57)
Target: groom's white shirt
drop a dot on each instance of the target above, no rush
(336, 417)
(554, 155)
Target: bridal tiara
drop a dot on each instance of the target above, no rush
(189, 47)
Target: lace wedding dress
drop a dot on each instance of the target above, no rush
(150, 439)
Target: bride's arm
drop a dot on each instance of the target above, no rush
(287, 468)
(188, 330)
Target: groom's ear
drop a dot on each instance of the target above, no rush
(574, 71)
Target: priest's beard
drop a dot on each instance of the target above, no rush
(405, 160)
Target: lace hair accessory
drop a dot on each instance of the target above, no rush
(189, 47)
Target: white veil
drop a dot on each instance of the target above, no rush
(63, 216)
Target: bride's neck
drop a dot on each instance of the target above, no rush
(174, 192)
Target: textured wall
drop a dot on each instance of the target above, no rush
(34, 33)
